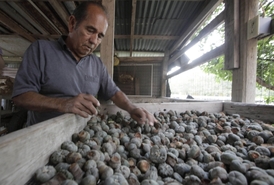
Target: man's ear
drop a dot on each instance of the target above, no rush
(71, 23)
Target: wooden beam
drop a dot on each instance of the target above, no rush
(203, 33)
(38, 15)
(152, 37)
(164, 74)
(55, 23)
(48, 0)
(232, 36)
(141, 59)
(13, 59)
(60, 11)
(107, 45)
(244, 78)
(27, 15)
(12, 25)
(195, 24)
(17, 17)
(133, 14)
(162, 0)
(24, 151)
(199, 61)
(252, 111)
(86, 0)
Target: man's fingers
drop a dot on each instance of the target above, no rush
(88, 107)
(83, 105)
(142, 116)
(151, 118)
(92, 99)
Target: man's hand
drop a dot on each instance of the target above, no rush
(83, 105)
(142, 116)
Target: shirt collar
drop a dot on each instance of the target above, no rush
(62, 42)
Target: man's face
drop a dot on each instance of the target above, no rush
(88, 34)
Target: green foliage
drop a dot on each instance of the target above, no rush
(265, 60)
(215, 67)
(269, 99)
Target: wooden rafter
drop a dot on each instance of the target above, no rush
(133, 14)
(50, 17)
(39, 16)
(12, 25)
(60, 10)
(27, 16)
(141, 59)
(203, 33)
(195, 24)
(199, 61)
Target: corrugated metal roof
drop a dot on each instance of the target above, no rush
(154, 18)
(158, 24)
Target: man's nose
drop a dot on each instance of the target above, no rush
(93, 38)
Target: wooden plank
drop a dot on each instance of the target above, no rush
(12, 25)
(232, 36)
(132, 29)
(24, 151)
(141, 59)
(244, 78)
(13, 46)
(195, 24)
(52, 19)
(252, 111)
(17, 17)
(199, 61)
(27, 16)
(39, 16)
(203, 33)
(107, 45)
(164, 74)
(170, 0)
(86, 0)
(60, 11)
(210, 107)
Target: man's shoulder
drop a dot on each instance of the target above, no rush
(45, 44)
(95, 58)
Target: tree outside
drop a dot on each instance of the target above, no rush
(210, 81)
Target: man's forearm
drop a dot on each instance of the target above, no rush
(122, 101)
(37, 102)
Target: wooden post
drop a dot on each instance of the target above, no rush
(232, 36)
(244, 78)
(107, 45)
(164, 74)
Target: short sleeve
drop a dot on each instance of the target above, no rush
(29, 73)
(108, 87)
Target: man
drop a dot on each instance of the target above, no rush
(63, 76)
